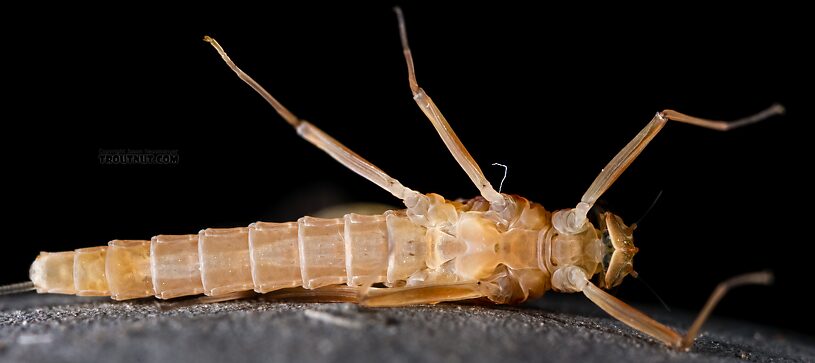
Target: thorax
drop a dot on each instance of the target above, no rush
(473, 241)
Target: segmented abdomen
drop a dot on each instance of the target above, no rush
(311, 253)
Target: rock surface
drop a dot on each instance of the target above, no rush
(55, 328)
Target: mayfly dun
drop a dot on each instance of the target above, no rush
(495, 246)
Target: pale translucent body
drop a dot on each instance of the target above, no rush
(437, 242)
(322, 251)
(175, 266)
(366, 248)
(127, 267)
(53, 272)
(224, 257)
(89, 271)
(496, 246)
(274, 255)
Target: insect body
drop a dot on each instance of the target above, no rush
(496, 246)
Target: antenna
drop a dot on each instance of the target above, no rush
(635, 275)
(637, 223)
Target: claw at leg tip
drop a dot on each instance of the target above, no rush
(779, 108)
(769, 277)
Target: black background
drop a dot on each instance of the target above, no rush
(553, 92)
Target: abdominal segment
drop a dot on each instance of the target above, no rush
(312, 252)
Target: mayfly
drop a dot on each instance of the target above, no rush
(495, 246)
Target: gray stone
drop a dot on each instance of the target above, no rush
(54, 328)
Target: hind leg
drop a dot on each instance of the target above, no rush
(319, 138)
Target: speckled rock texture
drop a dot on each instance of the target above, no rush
(55, 328)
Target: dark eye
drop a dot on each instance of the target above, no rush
(609, 249)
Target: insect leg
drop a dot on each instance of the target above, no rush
(449, 137)
(331, 293)
(639, 321)
(428, 294)
(575, 279)
(200, 300)
(319, 138)
(629, 153)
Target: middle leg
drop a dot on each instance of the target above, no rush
(449, 137)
